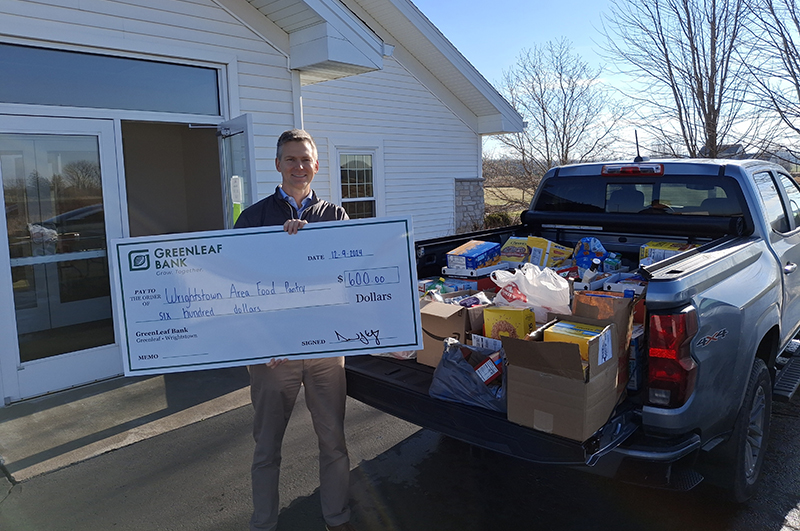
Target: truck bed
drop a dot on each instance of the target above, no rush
(400, 388)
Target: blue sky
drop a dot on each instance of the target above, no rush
(491, 35)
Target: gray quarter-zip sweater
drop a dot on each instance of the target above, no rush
(275, 210)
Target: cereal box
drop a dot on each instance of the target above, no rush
(653, 252)
(569, 332)
(474, 254)
(505, 321)
(545, 253)
(515, 250)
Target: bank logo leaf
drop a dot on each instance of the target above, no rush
(139, 260)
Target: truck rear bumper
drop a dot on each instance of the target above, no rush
(400, 388)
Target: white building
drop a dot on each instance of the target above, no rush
(126, 118)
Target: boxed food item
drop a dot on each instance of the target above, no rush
(474, 254)
(508, 321)
(548, 388)
(445, 285)
(595, 283)
(626, 281)
(489, 368)
(515, 250)
(426, 284)
(571, 332)
(569, 271)
(545, 253)
(610, 307)
(612, 263)
(451, 285)
(652, 252)
(636, 354)
(480, 341)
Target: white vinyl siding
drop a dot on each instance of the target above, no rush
(422, 145)
(181, 31)
(425, 145)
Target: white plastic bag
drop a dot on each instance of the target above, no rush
(533, 287)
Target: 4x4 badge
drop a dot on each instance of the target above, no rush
(719, 334)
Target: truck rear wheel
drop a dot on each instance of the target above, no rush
(743, 455)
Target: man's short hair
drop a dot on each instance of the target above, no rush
(295, 135)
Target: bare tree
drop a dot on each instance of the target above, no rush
(686, 60)
(777, 72)
(83, 174)
(571, 117)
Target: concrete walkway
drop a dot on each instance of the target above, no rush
(49, 433)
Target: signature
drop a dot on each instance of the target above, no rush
(363, 337)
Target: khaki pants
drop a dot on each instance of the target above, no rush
(273, 393)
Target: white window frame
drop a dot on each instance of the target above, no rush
(352, 147)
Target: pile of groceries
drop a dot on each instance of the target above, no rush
(550, 335)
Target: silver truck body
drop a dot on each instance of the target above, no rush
(741, 283)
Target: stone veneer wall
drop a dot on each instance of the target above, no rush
(469, 205)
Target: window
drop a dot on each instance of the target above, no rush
(771, 199)
(680, 195)
(358, 191)
(793, 195)
(56, 77)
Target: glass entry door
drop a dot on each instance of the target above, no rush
(62, 206)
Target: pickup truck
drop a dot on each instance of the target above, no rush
(720, 327)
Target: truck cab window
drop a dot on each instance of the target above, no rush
(793, 195)
(771, 198)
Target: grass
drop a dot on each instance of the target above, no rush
(490, 195)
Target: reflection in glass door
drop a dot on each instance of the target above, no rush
(53, 198)
(236, 160)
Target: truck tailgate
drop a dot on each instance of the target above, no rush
(400, 388)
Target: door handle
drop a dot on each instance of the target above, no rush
(789, 267)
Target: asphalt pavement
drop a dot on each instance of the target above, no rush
(173, 452)
(167, 452)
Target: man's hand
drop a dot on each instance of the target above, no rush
(274, 362)
(293, 225)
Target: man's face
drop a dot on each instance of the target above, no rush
(297, 165)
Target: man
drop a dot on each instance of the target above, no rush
(274, 385)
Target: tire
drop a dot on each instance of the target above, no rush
(742, 456)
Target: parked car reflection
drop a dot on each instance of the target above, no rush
(81, 229)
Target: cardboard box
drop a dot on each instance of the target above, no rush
(474, 254)
(507, 321)
(441, 320)
(545, 253)
(548, 389)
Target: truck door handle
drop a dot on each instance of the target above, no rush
(789, 267)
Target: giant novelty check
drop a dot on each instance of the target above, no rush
(237, 297)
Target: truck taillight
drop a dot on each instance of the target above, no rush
(671, 372)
